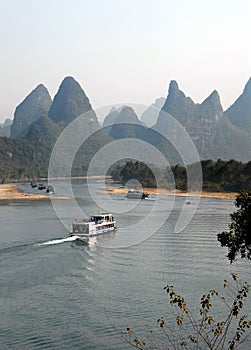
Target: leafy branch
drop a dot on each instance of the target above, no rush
(206, 332)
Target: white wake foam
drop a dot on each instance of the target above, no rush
(58, 241)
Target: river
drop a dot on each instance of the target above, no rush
(58, 293)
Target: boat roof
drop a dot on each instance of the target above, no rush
(102, 214)
(94, 215)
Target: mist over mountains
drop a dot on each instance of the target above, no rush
(39, 120)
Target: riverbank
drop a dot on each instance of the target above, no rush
(221, 195)
(11, 192)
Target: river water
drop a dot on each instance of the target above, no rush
(58, 293)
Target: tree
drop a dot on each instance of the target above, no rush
(134, 170)
(238, 238)
(205, 332)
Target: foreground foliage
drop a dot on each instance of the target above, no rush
(206, 332)
(238, 238)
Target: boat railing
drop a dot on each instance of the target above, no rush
(99, 221)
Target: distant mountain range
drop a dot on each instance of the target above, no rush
(211, 130)
(150, 115)
(39, 120)
(215, 133)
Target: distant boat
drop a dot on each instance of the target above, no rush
(50, 189)
(33, 184)
(41, 186)
(135, 194)
(96, 225)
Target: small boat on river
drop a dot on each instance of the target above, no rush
(41, 186)
(135, 194)
(96, 225)
(50, 189)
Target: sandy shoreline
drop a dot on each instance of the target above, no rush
(221, 195)
(11, 192)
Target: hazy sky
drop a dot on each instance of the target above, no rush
(124, 51)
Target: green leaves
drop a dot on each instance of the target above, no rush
(238, 238)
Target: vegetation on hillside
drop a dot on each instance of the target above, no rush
(219, 176)
(34, 106)
(28, 156)
(69, 103)
(16, 158)
(40, 121)
(134, 170)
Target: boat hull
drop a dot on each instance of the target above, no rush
(134, 194)
(91, 235)
(140, 196)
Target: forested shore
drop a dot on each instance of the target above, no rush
(217, 176)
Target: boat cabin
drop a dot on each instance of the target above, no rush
(98, 219)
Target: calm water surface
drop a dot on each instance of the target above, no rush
(61, 294)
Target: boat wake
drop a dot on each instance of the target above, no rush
(23, 249)
(58, 241)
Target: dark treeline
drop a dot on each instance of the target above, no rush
(218, 176)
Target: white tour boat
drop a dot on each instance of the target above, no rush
(96, 225)
(135, 194)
